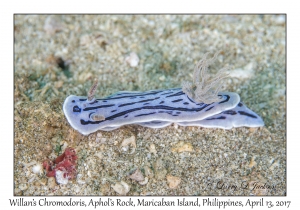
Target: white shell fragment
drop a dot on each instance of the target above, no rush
(136, 175)
(122, 188)
(173, 181)
(145, 181)
(126, 142)
(132, 59)
(37, 169)
(59, 175)
(157, 109)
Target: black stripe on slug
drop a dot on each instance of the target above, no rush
(209, 108)
(73, 101)
(82, 99)
(240, 104)
(231, 112)
(177, 100)
(247, 114)
(217, 118)
(76, 109)
(161, 102)
(186, 103)
(176, 94)
(126, 104)
(120, 114)
(113, 110)
(97, 107)
(152, 99)
(148, 100)
(144, 114)
(146, 103)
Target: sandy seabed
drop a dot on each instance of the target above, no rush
(56, 56)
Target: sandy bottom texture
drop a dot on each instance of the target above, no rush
(56, 56)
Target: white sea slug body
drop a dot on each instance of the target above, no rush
(156, 109)
(197, 103)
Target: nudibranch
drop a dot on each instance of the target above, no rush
(160, 108)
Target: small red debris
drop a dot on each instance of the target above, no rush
(65, 163)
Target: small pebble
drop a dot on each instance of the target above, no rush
(252, 162)
(43, 181)
(144, 182)
(122, 188)
(126, 142)
(58, 84)
(152, 149)
(64, 145)
(23, 187)
(51, 182)
(132, 59)
(173, 181)
(162, 78)
(183, 147)
(136, 175)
